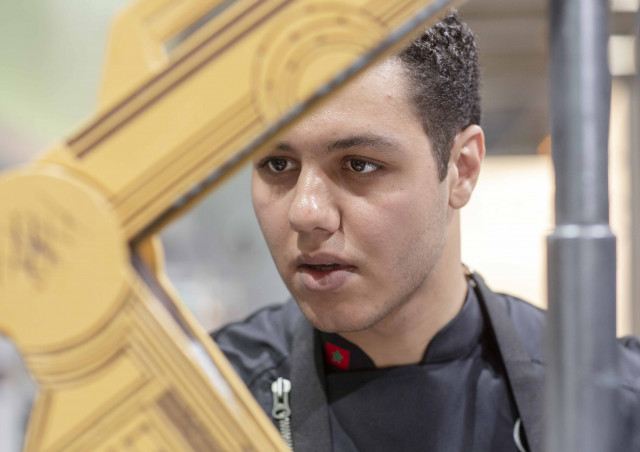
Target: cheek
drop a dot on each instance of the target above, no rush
(259, 202)
(270, 213)
(407, 211)
(405, 220)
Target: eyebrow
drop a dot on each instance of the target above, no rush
(283, 146)
(375, 141)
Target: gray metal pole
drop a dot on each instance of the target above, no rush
(580, 403)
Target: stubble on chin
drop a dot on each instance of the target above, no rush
(357, 317)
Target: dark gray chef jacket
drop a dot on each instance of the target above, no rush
(478, 387)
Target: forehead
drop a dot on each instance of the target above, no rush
(376, 101)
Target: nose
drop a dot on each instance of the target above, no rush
(313, 207)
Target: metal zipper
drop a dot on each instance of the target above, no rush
(281, 408)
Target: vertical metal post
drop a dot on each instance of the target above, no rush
(580, 404)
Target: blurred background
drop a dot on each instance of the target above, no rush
(51, 54)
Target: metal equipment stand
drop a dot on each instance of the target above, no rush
(580, 403)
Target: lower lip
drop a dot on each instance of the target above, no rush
(324, 281)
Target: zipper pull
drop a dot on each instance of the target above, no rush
(281, 408)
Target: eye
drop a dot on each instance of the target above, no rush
(278, 164)
(361, 166)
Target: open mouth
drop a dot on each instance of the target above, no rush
(324, 267)
(324, 272)
(324, 277)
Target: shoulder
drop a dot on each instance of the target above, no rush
(522, 321)
(261, 344)
(530, 320)
(629, 383)
(629, 363)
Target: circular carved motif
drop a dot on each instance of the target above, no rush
(306, 48)
(63, 260)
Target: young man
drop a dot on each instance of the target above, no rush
(390, 343)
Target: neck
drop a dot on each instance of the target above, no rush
(403, 337)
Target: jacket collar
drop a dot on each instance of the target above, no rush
(453, 341)
(309, 406)
(526, 378)
(310, 412)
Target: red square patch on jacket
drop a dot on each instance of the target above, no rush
(337, 356)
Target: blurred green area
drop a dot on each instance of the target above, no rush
(51, 54)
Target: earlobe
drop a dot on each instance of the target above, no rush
(466, 158)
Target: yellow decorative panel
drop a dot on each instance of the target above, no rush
(191, 89)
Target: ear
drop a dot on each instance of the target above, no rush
(467, 153)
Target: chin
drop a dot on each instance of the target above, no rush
(332, 319)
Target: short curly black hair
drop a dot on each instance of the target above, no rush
(444, 71)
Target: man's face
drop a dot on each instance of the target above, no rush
(351, 206)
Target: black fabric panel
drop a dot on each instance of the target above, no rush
(525, 377)
(309, 408)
